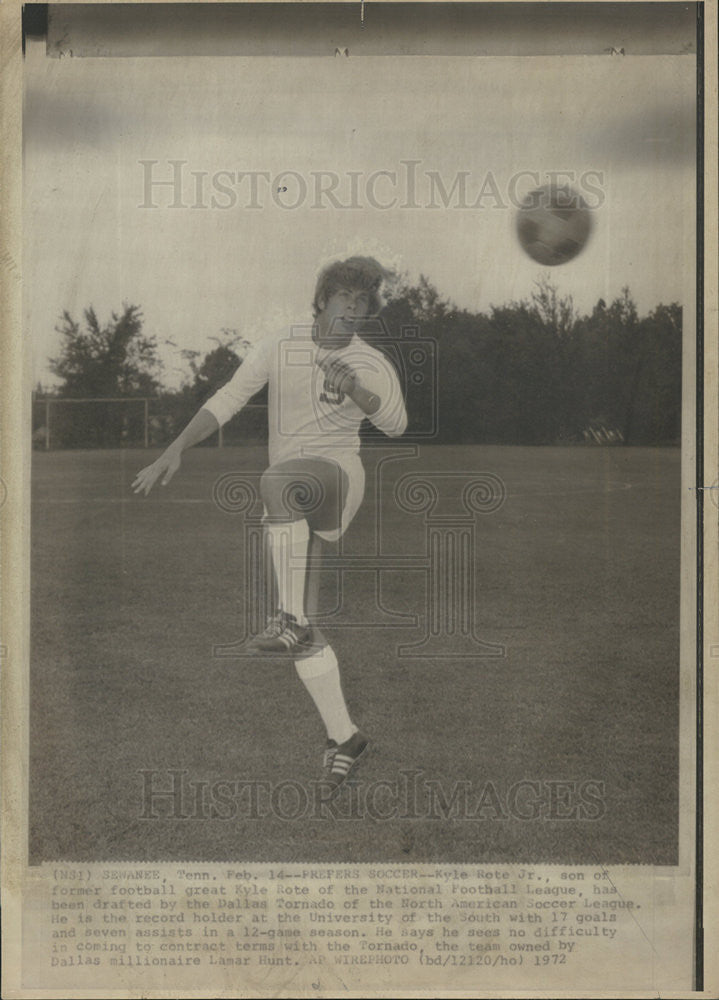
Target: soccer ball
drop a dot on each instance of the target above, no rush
(553, 224)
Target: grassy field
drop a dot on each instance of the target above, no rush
(577, 577)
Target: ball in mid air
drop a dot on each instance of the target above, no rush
(553, 224)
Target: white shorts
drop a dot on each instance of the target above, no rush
(355, 493)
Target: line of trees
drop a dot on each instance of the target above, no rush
(538, 372)
(529, 372)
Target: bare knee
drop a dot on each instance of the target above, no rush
(290, 493)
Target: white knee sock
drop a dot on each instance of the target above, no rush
(321, 676)
(288, 543)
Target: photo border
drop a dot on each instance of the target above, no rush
(15, 457)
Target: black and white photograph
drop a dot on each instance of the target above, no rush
(362, 428)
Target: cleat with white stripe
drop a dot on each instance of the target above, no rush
(329, 754)
(283, 634)
(345, 757)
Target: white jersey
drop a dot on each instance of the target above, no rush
(306, 418)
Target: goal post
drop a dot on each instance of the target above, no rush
(91, 422)
(65, 422)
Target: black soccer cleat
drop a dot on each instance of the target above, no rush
(329, 754)
(283, 634)
(344, 758)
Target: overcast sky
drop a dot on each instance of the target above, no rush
(96, 234)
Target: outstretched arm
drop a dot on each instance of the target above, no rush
(201, 426)
(247, 380)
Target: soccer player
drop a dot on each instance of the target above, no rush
(323, 382)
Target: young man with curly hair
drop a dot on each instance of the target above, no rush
(323, 382)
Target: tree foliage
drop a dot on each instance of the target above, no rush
(536, 372)
(533, 371)
(116, 359)
(211, 371)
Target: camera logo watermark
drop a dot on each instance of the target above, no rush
(441, 508)
(413, 359)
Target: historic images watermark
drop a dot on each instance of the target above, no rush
(409, 185)
(176, 794)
